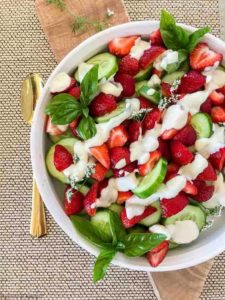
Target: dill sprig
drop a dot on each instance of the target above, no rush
(58, 3)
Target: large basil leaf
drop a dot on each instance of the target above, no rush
(137, 244)
(89, 86)
(196, 36)
(102, 262)
(63, 109)
(86, 128)
(118, 231)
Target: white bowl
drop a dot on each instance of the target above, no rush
(210, 242)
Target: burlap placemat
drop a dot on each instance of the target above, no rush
(53, 267)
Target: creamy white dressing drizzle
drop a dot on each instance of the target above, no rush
(215, 80)
(183, 232)
(139, 48)
(111, 88)
(166, 58)
(60, 83)
(154, 81)
(218, 197)
(175, 117)
(193, 169)
(158, 228)
(192, 102)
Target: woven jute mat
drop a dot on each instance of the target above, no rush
(53, 267)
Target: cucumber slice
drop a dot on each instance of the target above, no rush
(170, 78)
(57, 138)
(150, 94)
(108, 64)
(182, 56)
(202, 124)
(151, 182)
(155, 217)
(184, 66)
(143, 74)
(139, 85)
(190, 212)
(137, 229)
(83, 189)
(120, 108)
(116, 208)
(102, 220)
(69, 145)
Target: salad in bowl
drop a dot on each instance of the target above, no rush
(138, 139)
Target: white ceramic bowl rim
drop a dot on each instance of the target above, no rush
(178, 259)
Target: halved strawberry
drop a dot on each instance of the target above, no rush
(102, 185)
(125, 170)
(123, 196)
(186, 136)
(102, 104)
(172, 169)
(129, 65)
(164, 149)
(52, 129)
(190, 188)
(118, 154)
(180, 153)
(166, 89)
(90, 199)
(217, 98)
(208, 174)
(151, 118)
(168, 134)
(73, 201)
(121, 46)
(172, 206)
(221, 90)
(150, 56)
(191, 82)
(127, 223)
(149, 165)
(217, 159)
(73, 126)
(99, 172)
(157, 255)
(144, 103)
(101, 153)
(156, 38)
(127, 82)
(118, 137)
(205, 191)
(202, 57)
(218, 114)
(206, 106)
(62, 158)
(134, 130)
(75, 92)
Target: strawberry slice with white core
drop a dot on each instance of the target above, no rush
(121, 46)
(62, 82)
(157, 255)
(62, 158)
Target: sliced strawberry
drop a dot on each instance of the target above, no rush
(118, 137)
(75, 92)
(102, 185)
(217, 98)
(205, 191)
(206, 106)
(186, 136)
(52, 129)
(62, 158)
(151, 118)
(134, 130)
(169, 134)
(157, 255)
(222, 90)
(218, 114)
(117, 154)
(166, 89)
(208, 174)
(156, 38)
(121, 46)
(217, 159)
(149, 165)
(73, 126)
(99, 172)
(172, 206)
(150, 56)
(123, 196)
(190, 188)
(159, 73)
(180, 153)
(202, 57)
(164, 149)
(129, 65)
(73, 201)
(191, 82)
(90, 199)
(102, 104)
(127, 82)
(101, 153)
(172, 170)
(144, 103)
(127, 223)
(125, 170)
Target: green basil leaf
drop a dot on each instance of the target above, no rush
(85, 111)
(117, 229)
(137, 244)
(195, 37)
(91, 232)
(86, 128)
(174, 37)
(89, 85)
(102, 262)
(63, 109)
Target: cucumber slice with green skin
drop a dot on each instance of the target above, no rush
(102, 220)
(57, 138)
(83, 189)
(190, 212)
(143, 74)
(147, 92)
(182, 56)
(120, 108)
(137, 229)
(139, 85)
(153, 218)
(170, 78)
(116, 208)
(202, 124)
(151, 182)
(108, 64)
(69, 145)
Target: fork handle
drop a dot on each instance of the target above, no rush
(38, 226)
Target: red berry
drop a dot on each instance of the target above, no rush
(73, 202)
(127, 223)
(117, 154)
(172, 170)
(166, 89)
(156, 38)
(75, 92)
(208, 174)
(102, 104)
(129, 65)
(217, 159)
(191, 82)
(90, 199)
(62, 158)
(180, 153)
(123, 196)
(164, 149)
(121, 46)
(159, 73)
(118, 137)
(101, 153)
(174, 205)
(123, 171)
(222, 90)
(217, 98)
(151, 118)
(144, 103)
(206, 106)
(218, 114)
(150, 56)
(99, 172)
(186, 136)
(127, 82)
(157, 255)
(190, 188)
(144, 169)
(134, 130)
(169, 134)
(73, 127)
(205, 191)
